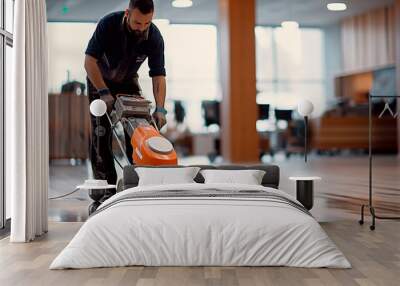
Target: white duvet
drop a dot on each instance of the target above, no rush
(200, 231)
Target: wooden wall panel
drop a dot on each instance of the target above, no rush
(69, 124)
(351, 132)
(348, 45)
(380, 39)
(355, 87)
(391, 22)
(239, 138)
(368, 40)
(397, 55)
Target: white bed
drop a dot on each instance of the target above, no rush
(202, 231)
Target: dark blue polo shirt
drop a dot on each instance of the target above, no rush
(120, 54)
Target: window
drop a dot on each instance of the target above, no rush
(67, 44)
(9, 12)
(190, 55)
(2, 176)
(6, 42)
(192, 69)
(8, 71)
(290, 67)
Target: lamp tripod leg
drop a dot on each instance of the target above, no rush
(305, 138)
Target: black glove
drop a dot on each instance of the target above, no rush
(106, 96)
(160, 119)
(109, 100)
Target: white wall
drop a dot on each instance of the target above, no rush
(67, 45)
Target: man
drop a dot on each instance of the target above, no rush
(120, 44)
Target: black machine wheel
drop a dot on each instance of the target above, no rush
(93, 207)
(361, 222)
(372, 227)
(120, 186)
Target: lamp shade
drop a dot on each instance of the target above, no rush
(98, 108)
(305, 107)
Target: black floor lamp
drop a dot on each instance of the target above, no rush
(305, 108)
(98, 189)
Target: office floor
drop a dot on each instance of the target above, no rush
(375, 256)
(343, 188)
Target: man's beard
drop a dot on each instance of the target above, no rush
(139, 35)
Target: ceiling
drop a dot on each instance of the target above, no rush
(269, 12)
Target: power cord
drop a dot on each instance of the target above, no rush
(62, 196)
(97, 151)
(119, 164)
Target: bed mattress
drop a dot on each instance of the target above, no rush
(201, 225)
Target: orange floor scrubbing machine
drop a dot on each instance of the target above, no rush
(150, 148)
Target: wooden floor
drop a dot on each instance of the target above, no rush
(338, 196)
(375, 256)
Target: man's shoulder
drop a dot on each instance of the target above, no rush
(112, 18)
(154, 33)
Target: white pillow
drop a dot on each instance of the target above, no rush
(163, 176)
(248, 177)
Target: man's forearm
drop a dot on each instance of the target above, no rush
(94, 73)
(159, 90)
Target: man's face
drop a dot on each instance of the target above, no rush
(138, 23)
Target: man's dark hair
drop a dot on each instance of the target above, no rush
(144, 6)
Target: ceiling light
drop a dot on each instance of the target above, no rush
(161, 22)
(290, 25)
(182, 3)
(336, 6)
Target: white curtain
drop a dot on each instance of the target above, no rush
(27, 123)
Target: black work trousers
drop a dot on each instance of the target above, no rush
(101, 155)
